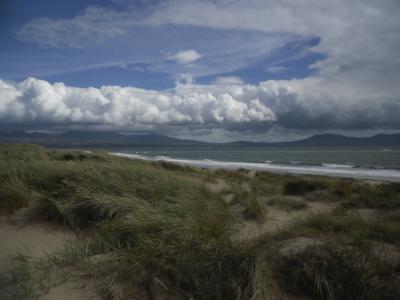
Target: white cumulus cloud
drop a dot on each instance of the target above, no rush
(228, 80)
(34, 101)
(186, 56)
(292, 104)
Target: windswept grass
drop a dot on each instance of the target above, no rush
(343, 226)
(337, 256)
(161, 230)
(332, 271)
(13, 195)
(172, 227)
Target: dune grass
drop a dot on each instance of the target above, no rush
(171, 226)
(159, 229)
(337, 256)
(332, 271)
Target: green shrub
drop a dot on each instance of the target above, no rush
(302, 186)
(172, 166)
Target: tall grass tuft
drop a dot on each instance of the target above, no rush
(14, 195)
(332, 271)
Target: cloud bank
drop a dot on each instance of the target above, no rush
(34, 101)
(294, 104)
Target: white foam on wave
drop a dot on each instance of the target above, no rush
(348, 172)
(160, 157)
(337, 166)
(207, 159)
(129, 155)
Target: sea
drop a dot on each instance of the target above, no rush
(381, 164)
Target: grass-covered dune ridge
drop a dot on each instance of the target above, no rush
(164, 231)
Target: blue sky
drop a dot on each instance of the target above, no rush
(209, 69)
(142, 56)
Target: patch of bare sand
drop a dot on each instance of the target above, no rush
(277, 219)
(245, 187)
(218, 186)
(298, 244)
(38, 240)
(366, 213)
(228, 198)
(73, 289)
(252, 174)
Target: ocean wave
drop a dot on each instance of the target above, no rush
(160, 157)
(129, 155)
(336, 165)
(348, 172)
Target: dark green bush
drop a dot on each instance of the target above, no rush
(172, 166)
(302, 186)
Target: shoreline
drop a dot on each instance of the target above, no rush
(341, 172)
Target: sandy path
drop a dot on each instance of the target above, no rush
(37, 240)
(72, 290)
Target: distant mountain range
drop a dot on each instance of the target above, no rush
(334, 140)
(100, 139)
(106, 139)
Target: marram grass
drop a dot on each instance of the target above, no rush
(159, 228)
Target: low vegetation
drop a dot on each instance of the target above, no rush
(287, 203)
(302, 186)
(331, 271)
(163, 231)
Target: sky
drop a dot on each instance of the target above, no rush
(212, 70)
